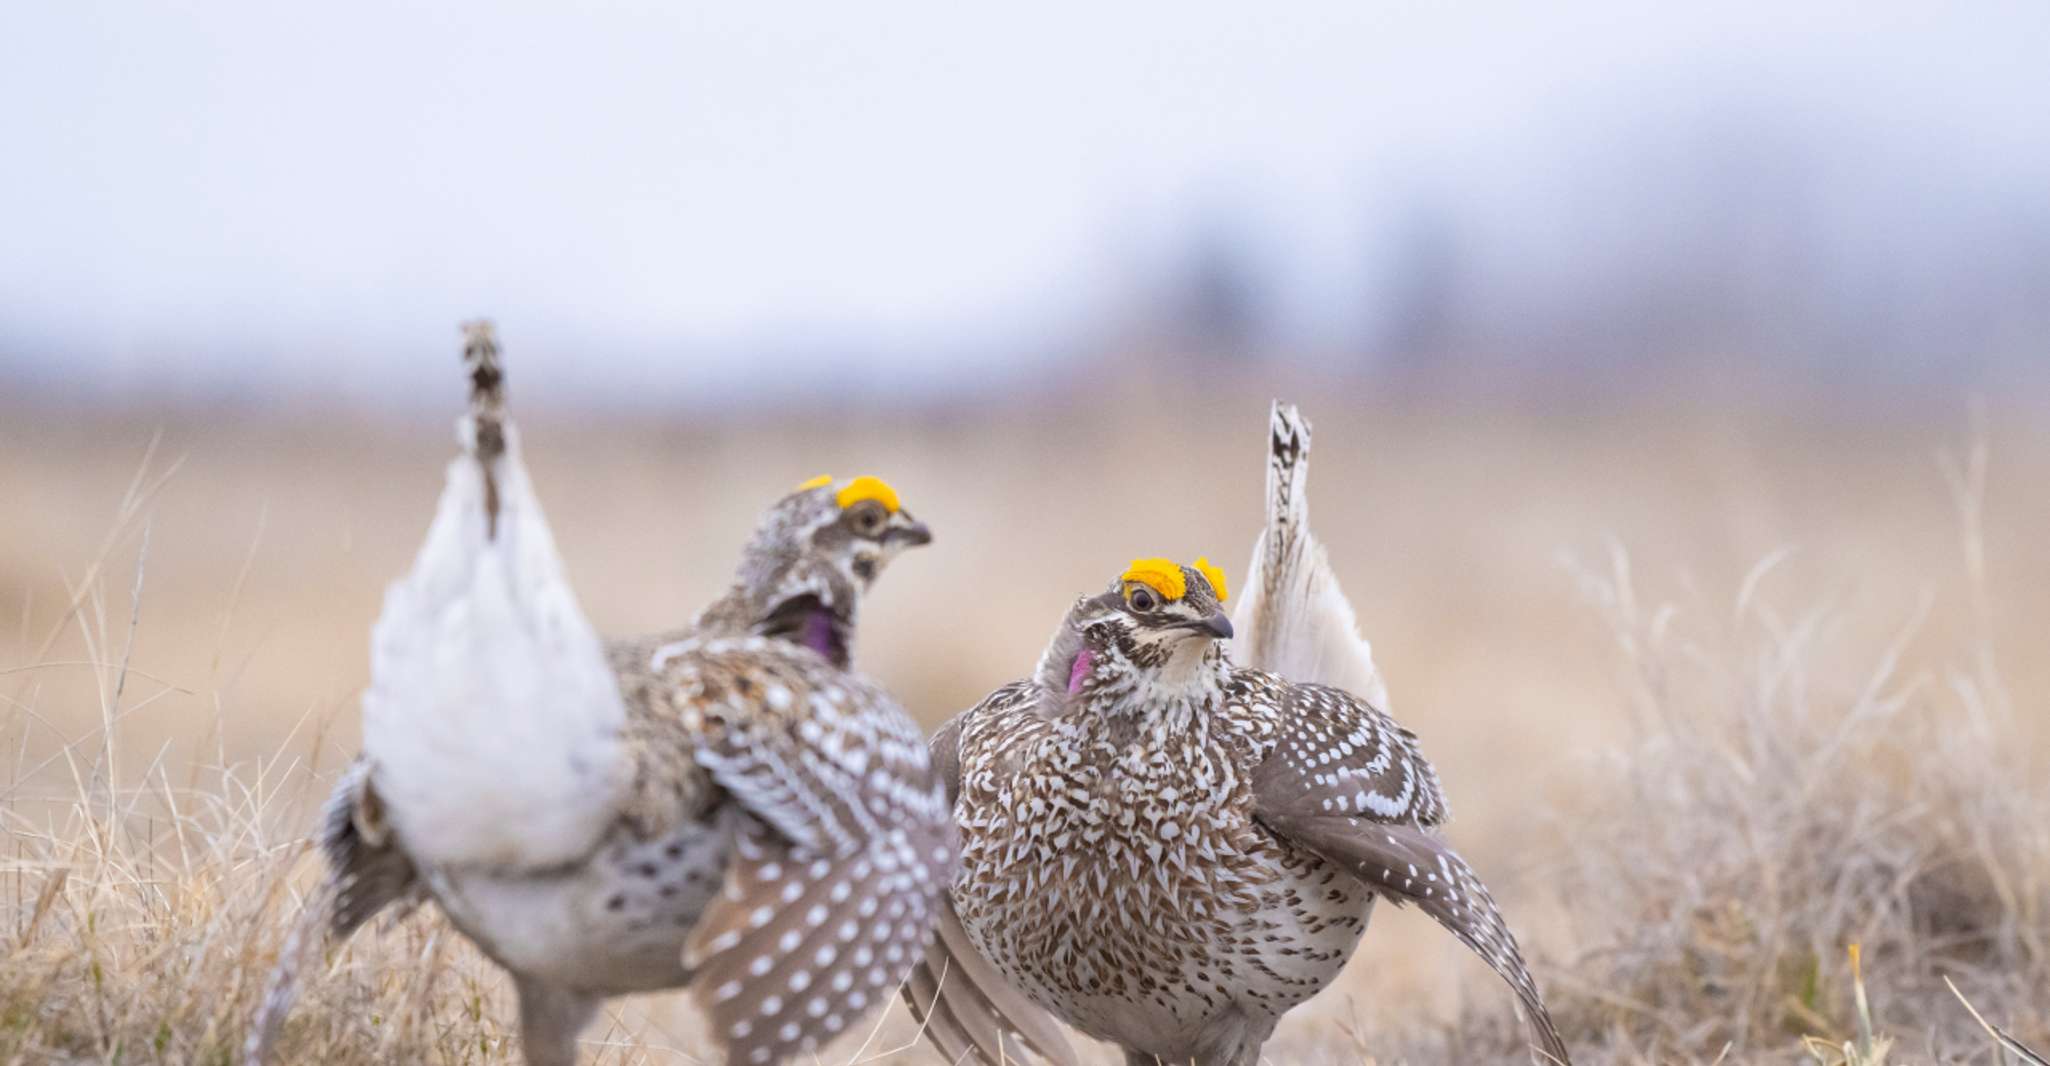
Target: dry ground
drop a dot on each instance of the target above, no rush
(1693, 779)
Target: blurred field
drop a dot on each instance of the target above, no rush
(1452, 524)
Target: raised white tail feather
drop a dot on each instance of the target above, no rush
(1293, 619)
(492, 721)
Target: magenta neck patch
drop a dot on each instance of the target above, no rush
(1079, 671)
(818, 633)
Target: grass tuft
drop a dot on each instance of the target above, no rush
(1797, 850)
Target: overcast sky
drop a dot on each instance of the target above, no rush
(199, 193)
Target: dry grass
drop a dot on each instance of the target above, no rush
(1783, 782)
(1772, 818)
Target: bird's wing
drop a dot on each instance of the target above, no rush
(843, 844)
(1407, 864)
(368, 871)
(1346, 782)
(1337, 754)
(1292, 617)
(964, 1006)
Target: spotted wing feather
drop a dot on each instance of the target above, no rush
(801, 946)
(843, 843)
(965, 1007)
(1337, 754)
(1348, 783)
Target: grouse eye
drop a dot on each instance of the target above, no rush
(1142, 599)
(868, 519)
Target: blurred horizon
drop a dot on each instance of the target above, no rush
(247, 207)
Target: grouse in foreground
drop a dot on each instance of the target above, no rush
(1169, 852)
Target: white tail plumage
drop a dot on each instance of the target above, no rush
(1293, 619)
(492, 721)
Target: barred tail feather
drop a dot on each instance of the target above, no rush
(487, 408)
(1287, 520)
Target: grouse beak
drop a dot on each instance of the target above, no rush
(909, 533)
(1217, 626)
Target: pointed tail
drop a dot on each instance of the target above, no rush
(486, 427)
(1264, 606)
(1288, 469)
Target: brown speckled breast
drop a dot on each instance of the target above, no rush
(1121, 881)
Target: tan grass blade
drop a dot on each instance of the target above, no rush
(1999, 1035)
